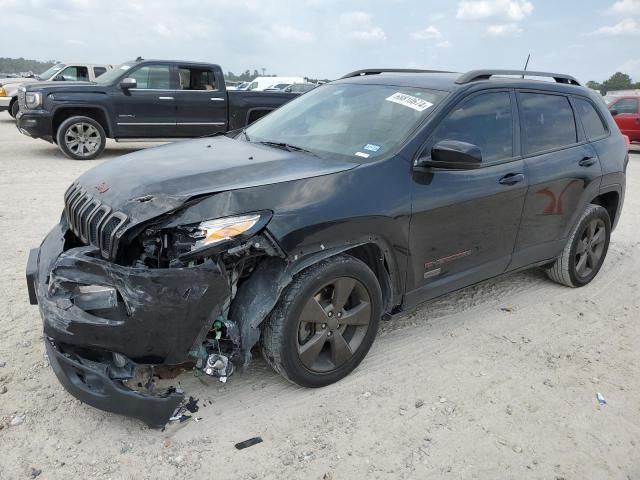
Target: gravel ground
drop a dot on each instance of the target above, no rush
(495, 381)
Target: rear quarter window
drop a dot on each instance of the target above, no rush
(592, 122)
(548, 122)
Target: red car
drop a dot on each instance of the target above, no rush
(626, 113)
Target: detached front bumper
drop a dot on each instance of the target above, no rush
(35, 125)
(161, 316)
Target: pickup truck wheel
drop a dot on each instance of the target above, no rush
(81, 138)
(14, 108)
(585, 251)
(325, 322)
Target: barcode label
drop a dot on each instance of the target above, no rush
(410, 101)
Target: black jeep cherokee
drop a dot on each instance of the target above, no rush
(359, 200)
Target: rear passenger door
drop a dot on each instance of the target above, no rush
(563, 170)
(201, 105)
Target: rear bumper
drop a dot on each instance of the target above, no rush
(35, 125)
(161, 316)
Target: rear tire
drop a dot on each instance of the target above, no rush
(81, 138)
(585, 250)
(324, 323)
(14, 108)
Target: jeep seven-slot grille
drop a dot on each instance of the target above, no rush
(92, 221)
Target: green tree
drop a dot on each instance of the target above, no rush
(594, 85)
(18, 65)
(618, 81)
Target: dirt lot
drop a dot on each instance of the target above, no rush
(495, 381)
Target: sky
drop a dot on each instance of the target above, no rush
(590, 39)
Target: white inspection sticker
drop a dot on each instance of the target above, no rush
(362, 154)
(410, 101)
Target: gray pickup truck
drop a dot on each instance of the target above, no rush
(139, 100)
(60, 72)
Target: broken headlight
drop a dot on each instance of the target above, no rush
(200, 240)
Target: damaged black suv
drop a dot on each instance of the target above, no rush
(354, 202)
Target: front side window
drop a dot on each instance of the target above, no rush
(626, 105)
(548, 122)
(72, 74)
(593, 125)
(196, 79)
(154, 77)
(358, 121)
(484, 120)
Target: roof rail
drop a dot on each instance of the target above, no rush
(376, 71)
(475, 75)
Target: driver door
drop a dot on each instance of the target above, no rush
(149, 110)
(464, 223)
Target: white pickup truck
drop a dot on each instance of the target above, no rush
(86, 72)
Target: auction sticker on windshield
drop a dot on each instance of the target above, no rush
(409, 101)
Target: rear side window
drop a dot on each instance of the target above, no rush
(196, 79)
(484, 120)
(626, 105)
(548, 122)
(591, 121)
(97, 71)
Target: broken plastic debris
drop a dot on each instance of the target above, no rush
(192, 405)
(601, 399)
(219, 366)
(248, 443)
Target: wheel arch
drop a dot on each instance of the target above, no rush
(259, 294)
(610, 201)
(99, 114)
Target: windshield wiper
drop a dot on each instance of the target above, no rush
(287, 146)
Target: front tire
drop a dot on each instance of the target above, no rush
(325, 322)
(14, 108)
(81, 138)
(585, 251)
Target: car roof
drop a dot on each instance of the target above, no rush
(450, 81)
(176, 62)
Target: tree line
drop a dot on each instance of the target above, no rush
(17, 65)
(617, 81)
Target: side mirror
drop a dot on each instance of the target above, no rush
(128, 83)
(613, 112)
(58, 78)
(452, 154)
(287, 90)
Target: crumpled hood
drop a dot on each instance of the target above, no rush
(153, 181)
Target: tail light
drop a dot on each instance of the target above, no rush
(627, 142)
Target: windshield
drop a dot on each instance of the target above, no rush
(47, 74)
(111, 75)
(356, 120)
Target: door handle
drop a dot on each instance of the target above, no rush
(165, 98)
(512, 179)
(587, 162)
(638, 120)
(217, 99)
